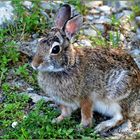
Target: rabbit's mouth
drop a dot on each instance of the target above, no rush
(49, 68)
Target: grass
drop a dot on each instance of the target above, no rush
(33, 120)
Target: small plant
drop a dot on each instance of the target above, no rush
(114, 39)
(22, 70)
(6, 87)
(37, 124)
(29, 21)
(136, 10)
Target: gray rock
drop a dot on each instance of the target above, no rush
(28, 4)
(46, 5)
(120, 5)
(137, 60)
(96, 16)
(19, 83)
(138, 37)
(94, 11)
(36, 35)
(135, 53)
(119, 15)
(90, 32)
(127, 13)
(106, 9)
(100, 27)
(73, 11)
(138, 31)
(89, 17)
(84, 43)
(28, 48)
(101, 20)
(124, 14)
(35, 97)
(29, 89)
(93, 4)
(133, 49)
(6, 13)
(138, 20)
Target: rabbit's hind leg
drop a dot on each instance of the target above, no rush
(65, 112)
(113, 110)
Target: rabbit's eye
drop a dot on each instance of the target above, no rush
(56, 49)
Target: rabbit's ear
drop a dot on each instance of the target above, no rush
(63, 15)
(73, 26)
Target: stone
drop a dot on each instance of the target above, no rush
(127, 13)
(84, 43)
(138, 20)
(137, 60)
(93, 4)
(73, 11)
(36, 35)
(119, 15)
(28, 48)
(106, 9)
(100, 27)
(35, 97)
(102, 19)
(94, 11)
(28, 4)
(14, 124)
(135, 52)
(6, 13)
(138, 37)
(29, 89)
(122, 5)
(96, 16)
(133, 49)
(89, 17)
(46, 5)
(90, 32)
(124, 14)
(138, 31)
(118, 6)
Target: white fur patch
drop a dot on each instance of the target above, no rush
(49, 68)
(107, 107)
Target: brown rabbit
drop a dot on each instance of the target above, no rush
(93, 79)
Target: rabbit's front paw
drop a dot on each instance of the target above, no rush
(86, 123)
(58, 119)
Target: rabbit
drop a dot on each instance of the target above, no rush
(93, 79)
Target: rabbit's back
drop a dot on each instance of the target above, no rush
(111, 73)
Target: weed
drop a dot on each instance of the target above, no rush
(22, 70)
(37, 124)
(29, 21)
